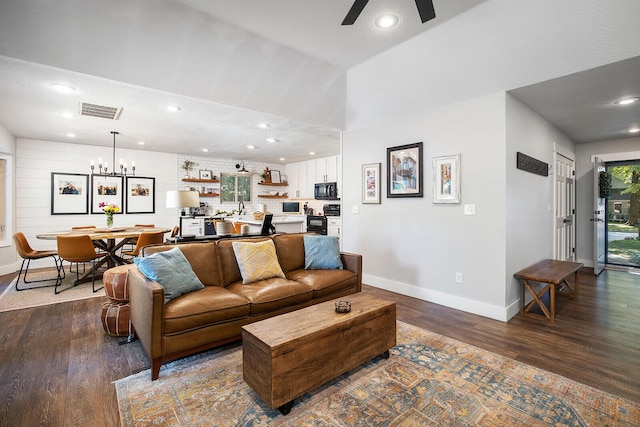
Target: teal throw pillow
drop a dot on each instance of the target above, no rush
(322, 253)
(172, 271)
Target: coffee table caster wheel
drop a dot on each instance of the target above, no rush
(386, 354)
(286, 408)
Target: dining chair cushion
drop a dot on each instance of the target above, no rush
(257, 261)
(322, 253)
(172, 271)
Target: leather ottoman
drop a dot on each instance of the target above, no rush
(116, 315)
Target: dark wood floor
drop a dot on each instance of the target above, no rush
(57, 365)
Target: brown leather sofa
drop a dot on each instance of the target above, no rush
(213, 316)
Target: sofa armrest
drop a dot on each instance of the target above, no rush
(353, 262)
(147, 311)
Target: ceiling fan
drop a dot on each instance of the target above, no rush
(425, 9)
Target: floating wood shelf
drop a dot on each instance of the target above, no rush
(209, 194)
(268, 196)
(200, 180)
(274, 184)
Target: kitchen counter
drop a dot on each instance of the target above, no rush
(282, 223)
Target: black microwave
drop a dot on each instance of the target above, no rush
(326, 191)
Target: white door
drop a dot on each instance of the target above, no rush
(565, 211)
(598, 219)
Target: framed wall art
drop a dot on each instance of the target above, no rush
(446, 179)
(371, 183)
(404, 171)
(106, 189)
(141, 195)
(205, 174)
(69, 193)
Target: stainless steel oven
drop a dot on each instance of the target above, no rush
(317, 224)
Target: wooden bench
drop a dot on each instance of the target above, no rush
(553, 274)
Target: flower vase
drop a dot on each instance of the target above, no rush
(109, 221)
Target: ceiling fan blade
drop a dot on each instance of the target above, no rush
(426, 10)
(354, 12)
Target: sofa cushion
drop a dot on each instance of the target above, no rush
(290, 250)
(271, 295)
(325, 282)
(257, 260)
(321, 253)
(172, 271)
(208, 306)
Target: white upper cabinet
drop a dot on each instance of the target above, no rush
(303, 175)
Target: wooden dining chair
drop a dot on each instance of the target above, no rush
(27, 253)
(150, 238)
(77, 249)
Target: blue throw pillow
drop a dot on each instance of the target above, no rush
(172, 271)
(322, 253)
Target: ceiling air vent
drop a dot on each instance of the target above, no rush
(102, 111)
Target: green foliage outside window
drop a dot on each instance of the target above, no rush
(234, 188)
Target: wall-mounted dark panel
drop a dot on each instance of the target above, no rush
(529, 164)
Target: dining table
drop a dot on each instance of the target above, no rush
(109, 242)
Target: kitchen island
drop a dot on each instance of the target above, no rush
(282, 223)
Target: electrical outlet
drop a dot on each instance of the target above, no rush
(469, 209)
(355, 209)
(458, 277)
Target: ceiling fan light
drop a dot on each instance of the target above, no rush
(386, 21)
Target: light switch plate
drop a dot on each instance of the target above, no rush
(469, 209)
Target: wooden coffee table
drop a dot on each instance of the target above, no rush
(288, 355)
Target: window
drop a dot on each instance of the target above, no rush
(235, 187)
(6, 197)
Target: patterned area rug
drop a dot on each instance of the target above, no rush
(43, 294)
(429, 380)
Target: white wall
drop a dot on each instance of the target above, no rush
(529, 197)
(620, 149)
(7, 250)
(415, 247)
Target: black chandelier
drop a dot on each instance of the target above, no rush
(103, 168)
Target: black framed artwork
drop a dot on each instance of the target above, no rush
(141, 195)
(69, 193)
(106, 190)
(405, 171)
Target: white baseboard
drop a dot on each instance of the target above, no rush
(453, 301)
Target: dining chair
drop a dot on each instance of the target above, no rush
(76, 249)
(27, 253)
(149, 238)
(131, 244)
(174, 234)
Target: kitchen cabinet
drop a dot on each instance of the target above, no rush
(297, 177)
(334, 224)
(327, 169)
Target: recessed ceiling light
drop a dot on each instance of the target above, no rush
(386, 21)
(71, 135)
(264, 125)
(312, 153)
(67, 115)
(282, 159)
(272, 140)
(174, 108)
(141, 142)
(206, 150)
(634, 130)
(251, 147)
(62, 88)
(627, 101)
